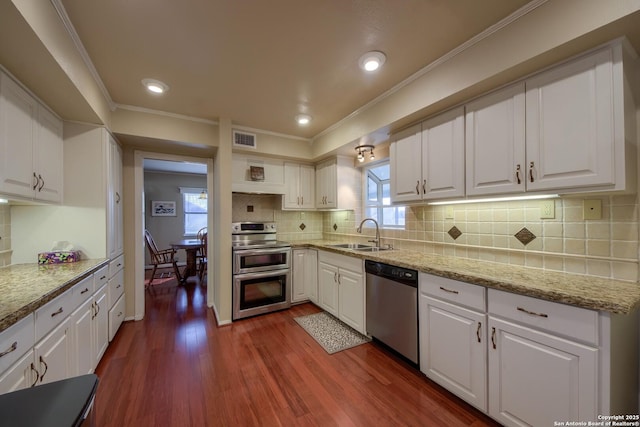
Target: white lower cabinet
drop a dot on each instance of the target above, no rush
(536, 378)
(526, 361)
(453, 327)
(54, 354)
(65, 337)
(304, 273)
(341, 288)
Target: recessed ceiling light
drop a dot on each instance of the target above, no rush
(155, 86)
(371, 61)
(303, 119)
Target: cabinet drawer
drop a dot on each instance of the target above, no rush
(461, 293)
(15, 341)
(341, 261)
(116, 288)
(116, 317)
(116, 265)
(53, 313)
(101, 276)
(560, 319)
(81, 292)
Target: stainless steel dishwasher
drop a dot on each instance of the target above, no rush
(392, 307)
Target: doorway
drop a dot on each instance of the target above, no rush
(160, 163)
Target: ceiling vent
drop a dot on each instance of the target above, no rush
(244, 139)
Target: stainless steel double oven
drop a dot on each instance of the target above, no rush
(261, 269)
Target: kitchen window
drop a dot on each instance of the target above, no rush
(377, 197)
(195, 202)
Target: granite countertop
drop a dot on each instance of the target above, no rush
(590, 292)
(26, 287)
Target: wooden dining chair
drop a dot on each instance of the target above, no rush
(164, 258)
(202, 270)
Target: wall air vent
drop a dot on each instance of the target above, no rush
(244, 139)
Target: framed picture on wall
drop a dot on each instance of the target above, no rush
(163, 208)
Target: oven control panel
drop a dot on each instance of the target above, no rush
(253, 227)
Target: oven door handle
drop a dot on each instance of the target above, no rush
(245, 252)
(260, 274)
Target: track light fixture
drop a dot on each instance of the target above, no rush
(362, 150)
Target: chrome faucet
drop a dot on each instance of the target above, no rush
(377, 239)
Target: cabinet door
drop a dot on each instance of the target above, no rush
(17, 134)
(311, 274)
(114, 200)
(54, 354)
(291, 198)
(406, 166)
(443, 155)
(453, 349)
(48, 157)
(495, 141)
(116, 317)
(307, 186)
(536, 378)
(100, 324)
(298, 292)
(20, 375)
(351, 299)
(327, 185)
(82, 326)
(328, 288)
(569, 121)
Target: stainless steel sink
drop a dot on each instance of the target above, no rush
(351, 246)
(359, 247)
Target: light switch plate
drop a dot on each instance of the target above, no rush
(592, 209)
(547, 209)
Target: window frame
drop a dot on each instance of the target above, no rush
(379, 205)
(190, 192)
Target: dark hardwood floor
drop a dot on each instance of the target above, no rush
(177, 368)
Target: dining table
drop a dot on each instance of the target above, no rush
(191, 247)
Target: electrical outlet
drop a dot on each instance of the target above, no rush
(448, 212)
(547, 209)
(592, 209)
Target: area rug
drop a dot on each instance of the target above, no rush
(330, 333)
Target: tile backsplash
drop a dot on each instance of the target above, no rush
(5, 235)
(606, 247)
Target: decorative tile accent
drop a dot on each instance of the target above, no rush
(302, 226)
(454, 232)
(525, 236)
(335, 227)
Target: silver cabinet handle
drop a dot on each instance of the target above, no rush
(41, 180)
(493, 337)
(46, 368)
(117, 197)
(302, 200)
(533, 313)
(424, 187)
(531, 165)
(478, 331)
(11, 349)
(518, 174)
(33, 368)
(35, 177)
(418, 187)
(449, 290)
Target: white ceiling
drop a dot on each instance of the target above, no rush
(261, 62)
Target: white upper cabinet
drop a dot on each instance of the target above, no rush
(562, 130)
(299, 186)
(30, 146)
(575, 128)
(495, 141)
(337, 182)
(427, 160)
